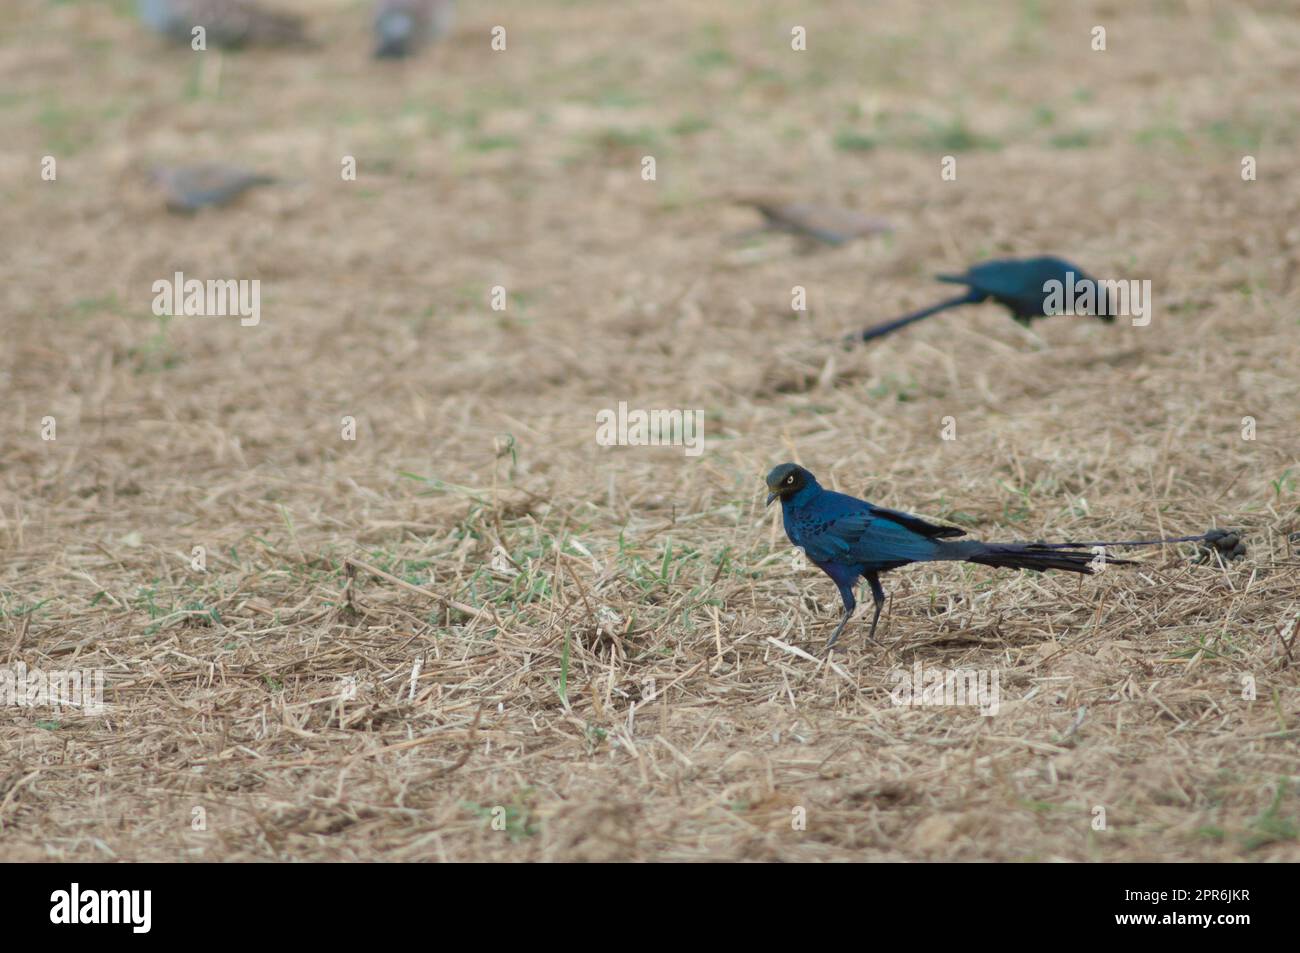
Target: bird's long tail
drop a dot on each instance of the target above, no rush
(1071, 557)
(1036, 557)
(880, 330)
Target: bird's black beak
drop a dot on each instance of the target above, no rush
(771, 497)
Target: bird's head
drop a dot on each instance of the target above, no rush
(787, 480)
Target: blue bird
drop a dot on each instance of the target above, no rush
(847, 538)
(1018, 284)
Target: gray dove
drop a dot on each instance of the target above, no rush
(229, 23)
(824, 223)
(189, 188)
(402, 27)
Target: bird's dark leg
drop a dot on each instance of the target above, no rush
(848, 614)
(845, 585)
(878, 597)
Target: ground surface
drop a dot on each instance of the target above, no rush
(594, 626)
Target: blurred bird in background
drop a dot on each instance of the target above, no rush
(188, 188)
(1015, 283)
(821, 223)
(402, 27)
(228, 23)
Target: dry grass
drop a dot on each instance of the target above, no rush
(616, 567)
